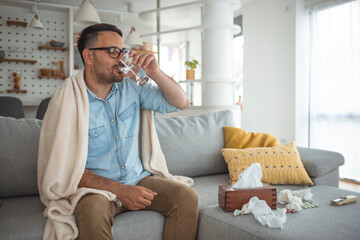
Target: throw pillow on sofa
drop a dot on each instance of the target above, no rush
(238, 138)
(279, 164)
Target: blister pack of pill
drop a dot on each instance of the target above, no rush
(309, 204)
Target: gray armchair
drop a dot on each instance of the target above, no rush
(11, 107)
(42, 108)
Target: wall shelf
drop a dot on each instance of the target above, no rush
(18, 60)
(56, 77)
(53, 48)
(16, 23)
(16, 91)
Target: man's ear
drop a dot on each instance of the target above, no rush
(88, 56)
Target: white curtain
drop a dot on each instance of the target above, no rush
(335, 82)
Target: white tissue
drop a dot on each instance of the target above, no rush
(263, 213)
(305, 195)
(244, 210)
(250, 177)
(294, 199)
(295, 204)
(285, 196)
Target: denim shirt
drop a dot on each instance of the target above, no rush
(113, 150)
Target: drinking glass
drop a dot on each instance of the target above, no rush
(131, 71)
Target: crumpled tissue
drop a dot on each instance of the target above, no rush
(263, 213)
(294, 199)
(250, 177)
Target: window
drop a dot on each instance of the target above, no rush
(238, 58)
(335, 83)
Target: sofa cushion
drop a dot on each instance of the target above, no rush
(192, 145)
(19, 140)
(134, 225)
(22, 218)
(238, 138)
(279, 164)
(324, 222)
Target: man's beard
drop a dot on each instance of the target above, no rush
(106, 78)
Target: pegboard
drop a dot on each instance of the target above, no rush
(22, 43)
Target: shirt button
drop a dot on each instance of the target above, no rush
(118, 150)
(112, 120)
(122, 178)
(122, 166)
(107, 102)
(131, 114)
(95, 135)
(117, 137)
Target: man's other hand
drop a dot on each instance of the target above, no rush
(135, 197)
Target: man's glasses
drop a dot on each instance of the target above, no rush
(114, 52)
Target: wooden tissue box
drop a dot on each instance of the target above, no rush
(231, 199)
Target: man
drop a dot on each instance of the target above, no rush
(113, 163)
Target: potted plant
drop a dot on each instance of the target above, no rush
(190, 73)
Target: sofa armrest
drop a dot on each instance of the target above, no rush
(320, 162)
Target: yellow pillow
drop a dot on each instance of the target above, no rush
(279, 164)
(238, 138)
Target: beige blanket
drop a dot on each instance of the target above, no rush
(63, 153)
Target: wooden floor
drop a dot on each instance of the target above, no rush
(349, 185)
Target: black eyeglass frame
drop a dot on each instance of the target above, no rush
(120, 51)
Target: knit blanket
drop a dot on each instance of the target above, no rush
(63, 152)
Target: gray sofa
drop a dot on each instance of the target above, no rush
(191, 146)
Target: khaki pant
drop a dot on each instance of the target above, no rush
(177, 202)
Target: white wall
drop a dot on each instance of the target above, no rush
(269, 68)
(276, 69)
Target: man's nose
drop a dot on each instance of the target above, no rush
(121, 56)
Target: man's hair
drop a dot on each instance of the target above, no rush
(88, 36)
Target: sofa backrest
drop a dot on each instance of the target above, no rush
(192, 145)
(19, 140)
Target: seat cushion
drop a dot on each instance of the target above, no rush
(192, 145)
(19, 141)
(324, 222)
(139, 225)
(22, 218)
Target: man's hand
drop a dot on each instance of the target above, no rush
(135, 197)
(145, 61)
(173, 92)
(132, 197)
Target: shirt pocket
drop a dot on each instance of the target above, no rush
(98, 144)
(104, 165)
(127, 120)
